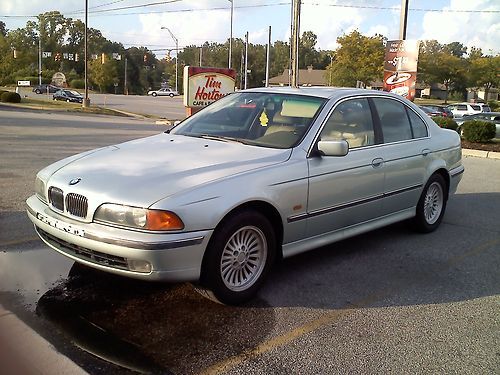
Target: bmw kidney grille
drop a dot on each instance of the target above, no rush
(75, 204)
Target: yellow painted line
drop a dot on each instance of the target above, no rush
(329, 318)
(288, 337)
(19, 242)
(474, 251)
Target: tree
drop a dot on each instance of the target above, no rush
(102, 75)
(3, 29)
(443, 67)
(359, 58)
(484, 72)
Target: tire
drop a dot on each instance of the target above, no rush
(431, 205)
(238, 258)
(154, 94)
(171, 95)
(38, 91)
(68, 101)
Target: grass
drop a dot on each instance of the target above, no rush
(63, 106)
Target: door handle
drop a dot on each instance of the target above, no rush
(426, 152)
(377, 162)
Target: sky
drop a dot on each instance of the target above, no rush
(470, 22)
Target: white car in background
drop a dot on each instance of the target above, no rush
(461, 109)
(163, 92)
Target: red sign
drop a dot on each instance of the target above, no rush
(400, 67)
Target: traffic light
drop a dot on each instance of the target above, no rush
(103, 58)
(77, 58)
(57, 56)
(145, 58)
(15, 53)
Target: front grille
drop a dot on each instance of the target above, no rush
(83, 253)
(56, 198)
(76, 205)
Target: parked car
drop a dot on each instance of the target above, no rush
(163, 92)
(258, 175)
(436, 110)
(461, 109)
(45, 89)
(484, 107)
(493, 117)
(72, 96)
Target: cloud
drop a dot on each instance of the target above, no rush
(471, 29)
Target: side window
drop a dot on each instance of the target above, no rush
(351, 120)
(417, 124)
(394, 120)
(462, 107)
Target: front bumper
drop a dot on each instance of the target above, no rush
(172, 256)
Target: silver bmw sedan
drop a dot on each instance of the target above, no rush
(259, 175)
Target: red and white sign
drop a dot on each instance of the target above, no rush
(400, 67)
(203, 86)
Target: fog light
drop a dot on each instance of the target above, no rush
(139, 265)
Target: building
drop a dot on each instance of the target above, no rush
(307, 77)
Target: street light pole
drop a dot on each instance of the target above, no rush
(176, 56)
(231, 36)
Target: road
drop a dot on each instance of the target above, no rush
(160, 106)
(390, 301)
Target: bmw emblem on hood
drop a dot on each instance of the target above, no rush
(75, 181)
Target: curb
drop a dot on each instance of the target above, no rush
(23, 351)
(481, 154)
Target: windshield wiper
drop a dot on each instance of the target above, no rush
(221, 138)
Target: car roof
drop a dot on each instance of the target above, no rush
(323, 92)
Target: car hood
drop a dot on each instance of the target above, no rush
(143, 171)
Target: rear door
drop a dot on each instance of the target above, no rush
(404, 152)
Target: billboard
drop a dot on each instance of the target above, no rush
(400, 67)
(203, 86)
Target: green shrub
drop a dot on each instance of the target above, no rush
(77, 84)
(445, 122)
(494, 105)
(10, 97)
(478, 131)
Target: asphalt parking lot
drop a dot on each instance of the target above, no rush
(390, 301)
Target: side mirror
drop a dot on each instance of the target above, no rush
(333, 148)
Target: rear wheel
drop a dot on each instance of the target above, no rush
(239, 257)
(154, 94)
(432, 204)
(38, 91)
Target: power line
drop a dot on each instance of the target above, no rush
(96, 13)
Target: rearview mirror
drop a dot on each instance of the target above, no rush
(333, 148)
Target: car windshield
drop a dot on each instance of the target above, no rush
(261, 119)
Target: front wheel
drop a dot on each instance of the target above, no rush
(238, 258)
(154, 94)
(432, 204)
(171, 95)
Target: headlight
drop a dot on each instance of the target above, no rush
(40, 189)
(140, 218)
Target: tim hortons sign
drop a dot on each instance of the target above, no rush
(203, 86)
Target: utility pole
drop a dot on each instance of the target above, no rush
(230, 36)
(403, 20)
(246, 59)
(125, 89)
(201, 54)
(86, 100)
(40, 57)
(295, 42)
(267, 56)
